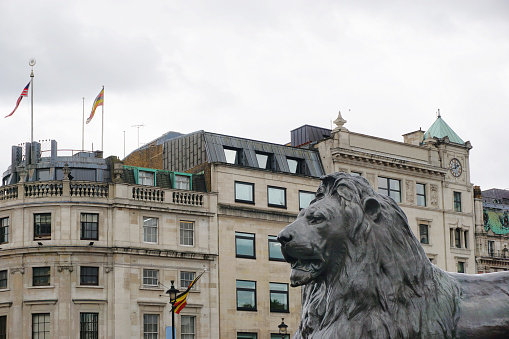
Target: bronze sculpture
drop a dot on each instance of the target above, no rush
(365, 275)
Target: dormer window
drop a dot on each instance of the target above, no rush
(146, 178)
(295, 165)
(182, 182)
(264, 160)
(233, 155)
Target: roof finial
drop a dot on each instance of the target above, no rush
(339, 122)
(438, 113)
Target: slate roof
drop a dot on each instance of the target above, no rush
(440, 129)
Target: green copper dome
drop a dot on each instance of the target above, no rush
(440, 129)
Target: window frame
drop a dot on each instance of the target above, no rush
(84, 274)
(270, 160)
(457, 201)
(421, 195)
(147, 227)
(85, 331)
(188, 176)
(239, 156)
(84, 224)
(300, 200)
(152, 176)
(188, 335)
(269, 188)
(426, 227)
(185, 286)
(182, 233)
(389, 187)
(245, 236)
(146, 333)
(461, 266)
(145, 278)
(252, 334)
(491, 248)
(4, 230)
(243, 201)
(279, 292)
(273, 239)
(4, 279)
(3, 326)
(39, 225)
(300, 165)
(39, 276)
(245, 289)
(46, 327)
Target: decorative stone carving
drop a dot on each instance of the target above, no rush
(67, 171)
(434, 195)
(17, 269)
(339, 122)
(364, 275)
(409, 191)
(61, 268)
(108, 269)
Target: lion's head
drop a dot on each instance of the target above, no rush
(354, 251)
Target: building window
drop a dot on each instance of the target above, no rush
(188, 327)
(279, 336)
(89, 226)
(457, 201)
(424, 233)
(245, 245)
(421, 194)
(276, 196)
(356, 174)
(3, 327)
(43, 175)
(41, 276)
(390, 188)
(244, 335)
(89, 325)
(233, 155)
(4, 230)
(186, 278)
(465, 238)
(42, 226)
(244, 192)
(150, 326)
(187, 233)
(264, 160)
(457, 238)
(150, 230)
(40, 326)
(146, 178)
(89, 275)
(278, 297)
(150, 277)
(182, 182)
(491, 248)
(461, 267)
(3, 279)
(295, 165)
(305, 199)
(246, 295)
(275, 249)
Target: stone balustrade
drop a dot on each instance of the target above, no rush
(99, 190)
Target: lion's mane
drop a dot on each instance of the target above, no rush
(384, 286)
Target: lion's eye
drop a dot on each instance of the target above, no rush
(316, 217)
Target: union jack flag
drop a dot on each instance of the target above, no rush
(23, 94)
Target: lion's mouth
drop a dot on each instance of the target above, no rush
(304, 268)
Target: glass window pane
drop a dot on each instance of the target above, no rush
(395, 184)
(247, 336)
(275, 248)
(246, 284)
(231, 156)
(245, 247)
(245, 299)
(420, 189)
(262, 160)
(396, 196)
(305, 199)
(182, 182)
(382, 183)
(244, 191)
(293, 165)
(277, 196)
(146, 178)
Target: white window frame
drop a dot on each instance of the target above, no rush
(188, 335)
(146, 178)
(148, 230)
(183, 233)
(148, 277)
(182, 182)
(150, 334)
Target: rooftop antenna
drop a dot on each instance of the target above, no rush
(138, 127)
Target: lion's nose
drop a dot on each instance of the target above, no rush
(284, 237)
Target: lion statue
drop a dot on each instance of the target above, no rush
(365, 274)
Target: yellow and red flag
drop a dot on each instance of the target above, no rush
(99, 100)
(181, 299)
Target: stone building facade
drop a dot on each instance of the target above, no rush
(428, 175)
(492, 232)
(95, 257)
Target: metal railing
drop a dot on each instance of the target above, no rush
(504, 254)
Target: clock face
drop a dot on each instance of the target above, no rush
(455, 167)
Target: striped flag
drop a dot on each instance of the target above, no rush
(98, 102)
(181, 300)
(23, 94)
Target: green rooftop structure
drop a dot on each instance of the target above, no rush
(440, 129)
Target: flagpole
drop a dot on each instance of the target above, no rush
(32, 106)
(102, 128)
(83, 128)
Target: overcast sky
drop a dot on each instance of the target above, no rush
(257, 69)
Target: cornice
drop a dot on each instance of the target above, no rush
(355, 157)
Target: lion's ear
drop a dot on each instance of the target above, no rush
(372, 208)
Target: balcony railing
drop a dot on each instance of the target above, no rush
(98, 190)
(504, 254)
